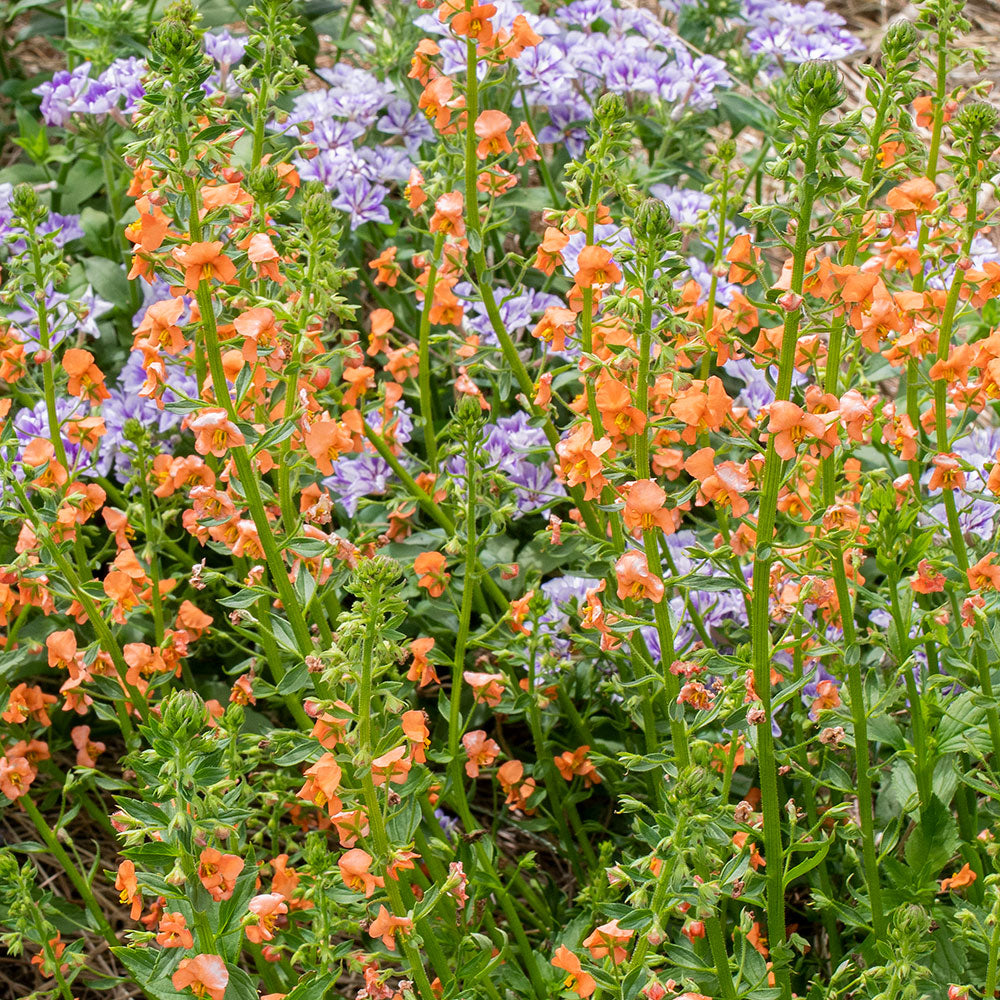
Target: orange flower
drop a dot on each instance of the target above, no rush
(609, 940)
(429, 566)
(582, 984)
(415, 729)
(128, 888)
(322, 782)
(926, 581)
(385, 926)
(635, 579)
(218, 872)
(743, 259)
(486, 688)
(448, 215)
(575, 763)
(354, 865)
(86, 380)
(325, 441)
(266, 907)
(947, 474)
(790, 425)
(703, 406)
(434, 101)
(475, 22)
(204, 261)
(393, 766)
(555, 326)
(482, 752)
(214, 432)
(517, 789)
(722, 484)
(87, 750)
(618, 415)
(644, 508)
(550, 250)
(985, 575)
(965, 876)
(385, 267)
(25, 701)
(596, 269)
(207, 976)
(491, 127)
(173, 932)
(16, 775)
(580, 460)
(261, 253)
(421, 669)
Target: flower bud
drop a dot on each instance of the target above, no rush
(183, 714)
(652, 219)
(978, 118)
(174, 39)
(610, 110)
(816, 88)
(24, 202)
(899, 41)
(264, 182)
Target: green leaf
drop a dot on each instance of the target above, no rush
(312, 987)
(107, 277)
(295, 680)
(933, 841)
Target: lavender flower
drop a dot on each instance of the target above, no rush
(363, 201)
(357, 476)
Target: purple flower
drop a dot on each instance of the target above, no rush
(61, 95)
(402, 119)
(225, 48)
(62, 319)
(357, 476)
(364, 201)
(797, 33)
(124, 77)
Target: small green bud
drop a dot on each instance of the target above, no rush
(978, 118)
(264, 182)
(183, 714)
(610, 110)
(652, 219)
(317, 211)
(24, 202)
(469, 413)
(726, 150)
(899, 41)
(375, 573)
(8, 869)
(816, 88)
(132, 430)
(175, 39)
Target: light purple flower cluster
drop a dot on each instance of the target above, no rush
(518, 311)
(227, 50)
(510, 443)
(115, 92)
(340, 119)
(797, 33)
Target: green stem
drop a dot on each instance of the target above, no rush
(424, 371)
(761, 581)
(79, 882)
